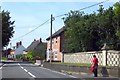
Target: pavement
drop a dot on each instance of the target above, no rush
(89, 76)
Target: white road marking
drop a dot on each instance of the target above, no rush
(58, 72)
(31, 74)
(2, 66)
(27, 71)
(22, 67)
(18, 64)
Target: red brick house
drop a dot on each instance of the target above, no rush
(58, 39)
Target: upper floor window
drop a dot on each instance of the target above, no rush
(52, 41)
(56, 54)
(56, 39)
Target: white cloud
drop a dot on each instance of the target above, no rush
(58, 0)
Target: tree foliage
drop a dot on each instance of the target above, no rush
(117, 18)
(29, 56)
(19, 56)
(40, 51)
(7, 28)
(88, 32)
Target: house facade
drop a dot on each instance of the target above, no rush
(12, 54)
(19, 49)
(58, 40)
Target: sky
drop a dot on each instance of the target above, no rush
(31, 14)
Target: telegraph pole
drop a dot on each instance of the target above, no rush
(10, 45)
(6, 52)
(51, 39)
(0, 35)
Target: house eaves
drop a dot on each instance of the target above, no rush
(57, 33)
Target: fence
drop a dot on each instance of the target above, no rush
(105, 57)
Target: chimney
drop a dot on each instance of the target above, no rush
(17, 44)
(34, 39)
(20, 43)
(40, 40)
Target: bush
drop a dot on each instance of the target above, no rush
(19, 56)
(29, 56)
(4, 58)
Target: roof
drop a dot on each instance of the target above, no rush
(32, 45)
(35, 44)
(57, 32)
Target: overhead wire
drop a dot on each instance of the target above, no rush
(83, 8)
(58, 17)
(80, 9)
(31, 30)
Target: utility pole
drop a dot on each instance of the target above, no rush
(51, 39)
(6, 52)
(0, 35)
(10, 45)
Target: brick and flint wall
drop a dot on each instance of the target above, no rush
(105, 57)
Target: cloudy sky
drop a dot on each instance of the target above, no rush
(31, 14)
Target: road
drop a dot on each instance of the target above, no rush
(28, 70)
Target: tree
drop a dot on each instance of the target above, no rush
(91, 28)
(106, 28)
(72, 28)
(7, 28)
(81, 32)
(29, 56)
(117, 24)
(40, 51)
(88, 32)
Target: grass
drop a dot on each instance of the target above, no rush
(80, 64)
(76, 64)
(4, 58)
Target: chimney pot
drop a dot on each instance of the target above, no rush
(20, 42)
(40, 40)
(34, 39)
(17, 44)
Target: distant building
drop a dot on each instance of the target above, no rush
(58, 40)
(33, 45)
(19, 49)
(37, 47)
(12, 53)
(6, 52)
